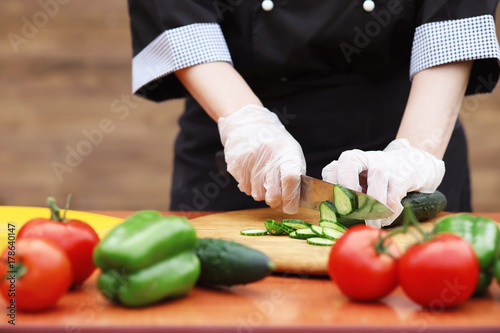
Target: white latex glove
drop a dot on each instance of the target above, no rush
(263, 157)
(390, 174)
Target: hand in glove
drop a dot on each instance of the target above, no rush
(263, 157)
(390, 174)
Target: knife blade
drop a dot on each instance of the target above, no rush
(314, 191)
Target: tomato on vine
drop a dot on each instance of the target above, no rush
(75, 237)
(437, 272)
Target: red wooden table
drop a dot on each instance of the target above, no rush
(277, 303)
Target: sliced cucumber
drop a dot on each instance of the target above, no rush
(317, 230)
(273, 227)
(327, 211)
(332, 234)
(320, 241)
(332, 225)
(296, 224)
(286, 228)
(305, 233)
(254, 232)
(346, 201)
(293, 235)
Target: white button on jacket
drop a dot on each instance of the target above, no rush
(267, 5)
(368, 5)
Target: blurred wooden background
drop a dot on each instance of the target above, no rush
(70, 80)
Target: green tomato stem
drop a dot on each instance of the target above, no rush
(409, 216)
(380, 247)
(55, 213)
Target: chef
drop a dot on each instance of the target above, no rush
(358, 92)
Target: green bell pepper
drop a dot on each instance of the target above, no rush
(483, 234)
(148, 258)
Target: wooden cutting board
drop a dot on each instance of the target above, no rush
(291, 256)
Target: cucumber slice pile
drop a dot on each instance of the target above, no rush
(332, 224)
(327, 232)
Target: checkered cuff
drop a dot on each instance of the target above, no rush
(438, 43)
(179, 48)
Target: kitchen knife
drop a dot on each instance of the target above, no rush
(314, 191)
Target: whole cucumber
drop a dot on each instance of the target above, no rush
(425, 206)
(228, 263)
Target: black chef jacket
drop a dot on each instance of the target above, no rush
(337, 76)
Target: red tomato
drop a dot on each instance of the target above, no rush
(46, 277)
(77, 239)
(360, 271)
(439, 273)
